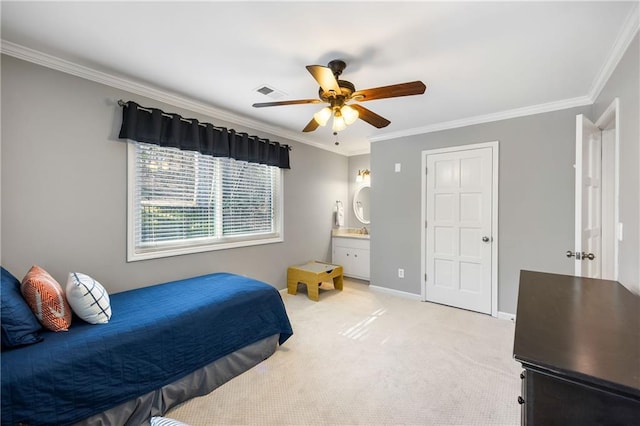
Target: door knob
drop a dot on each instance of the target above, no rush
(589, 256)
(485, 239)
(580, 255)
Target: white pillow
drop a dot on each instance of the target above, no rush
(88, 299)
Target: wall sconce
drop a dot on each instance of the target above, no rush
(363, 175)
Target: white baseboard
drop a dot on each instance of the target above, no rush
(398, 293)
(506, 316)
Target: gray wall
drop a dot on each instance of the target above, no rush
(535, 211)
(536, 190)
(624, 84)
(64, 189)
(356, 162)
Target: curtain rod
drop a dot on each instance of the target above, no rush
(125, 104)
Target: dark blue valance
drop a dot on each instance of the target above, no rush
(151, 125)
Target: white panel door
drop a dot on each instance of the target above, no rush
(588, 222)
(458, 229)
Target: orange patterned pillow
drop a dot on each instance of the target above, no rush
(46, 299)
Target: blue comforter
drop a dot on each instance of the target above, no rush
(156, 335)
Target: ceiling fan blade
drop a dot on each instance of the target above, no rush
(311, 126)
(325, 78)
(294, 102)
(393, 91)
(370, 117)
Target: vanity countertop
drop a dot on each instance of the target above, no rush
(350, 233)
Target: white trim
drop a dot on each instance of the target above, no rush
(608, 205)
(148, 91)
(608, 114)
(360, 151)
(133, 255)
(619, 48)
(398, 293)
(622, 42)
(132, 86)
(612, 114)
(577, 207)
(507, 316)
(131, 170)
(625, 36)
(495, 148)
(488, 118)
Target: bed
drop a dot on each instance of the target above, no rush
(163, 345)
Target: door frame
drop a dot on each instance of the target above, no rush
(609, 120)
(494, 145)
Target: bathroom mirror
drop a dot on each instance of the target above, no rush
(361, 203)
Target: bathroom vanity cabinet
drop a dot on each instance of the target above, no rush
(352, 252)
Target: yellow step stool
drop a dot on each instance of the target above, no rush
(312, 274)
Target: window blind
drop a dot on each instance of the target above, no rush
(183, 199)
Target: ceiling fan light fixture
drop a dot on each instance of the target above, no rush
(337, 93)
(338, 122)
(349, 114)
(322, 116)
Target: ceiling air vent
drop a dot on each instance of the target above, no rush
(271, 92)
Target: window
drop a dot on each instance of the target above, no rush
(185, 202)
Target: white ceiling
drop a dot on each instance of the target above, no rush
(479, 60)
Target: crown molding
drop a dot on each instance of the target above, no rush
(138, 88)
(488, 118)
(625, 37)
(360, 151)
(628, 31)
(620, 46)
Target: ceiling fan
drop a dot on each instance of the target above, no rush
(339, 93)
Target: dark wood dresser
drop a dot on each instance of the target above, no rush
(578, 340)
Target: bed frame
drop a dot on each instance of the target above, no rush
(164, 344)
(201, 382)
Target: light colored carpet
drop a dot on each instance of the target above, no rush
(361, 357)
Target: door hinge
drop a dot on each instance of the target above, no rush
(426, 170)
(425, 277)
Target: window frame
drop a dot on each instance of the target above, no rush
(171, 249)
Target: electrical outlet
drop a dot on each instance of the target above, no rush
(400, 273)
